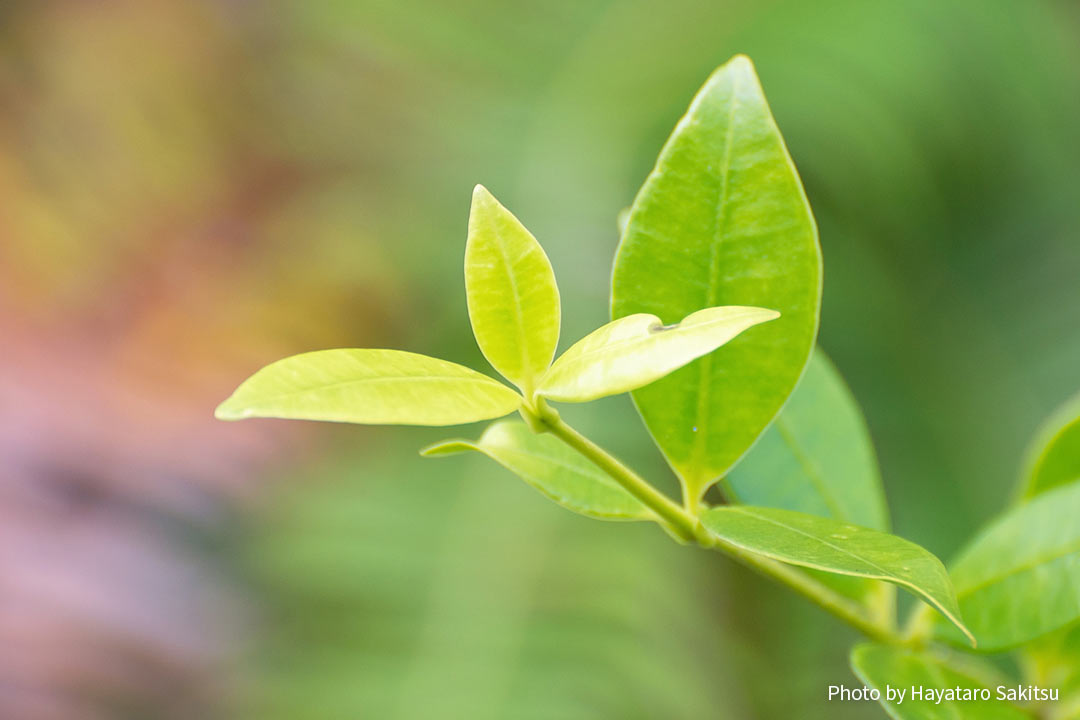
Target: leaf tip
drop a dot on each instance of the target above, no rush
(446, 447)
(481, 194)
(740, 61)
(229, 411)
(954, 618)
(737, 75)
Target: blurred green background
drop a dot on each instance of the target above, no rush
(189, 190)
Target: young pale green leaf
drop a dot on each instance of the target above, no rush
(553, 468)
(636, 350)
(1053, 459)
(816, 457)
(883, 666)
(722, 219)
(511, 292)
(373, 387)
(832, 546)
(1019, 578)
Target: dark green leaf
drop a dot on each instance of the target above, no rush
(1053, 459)
(836, 547)
(816, 457)
(1019, 578)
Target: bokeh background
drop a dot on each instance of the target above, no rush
(190, 189)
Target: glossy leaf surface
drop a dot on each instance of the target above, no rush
(816, 457)
(1054, 456)
(553, 468)
(882, 666)
(1019, 578)
(636, 350)
(722, 219)
(511, 292)
(836, 547)
(376, 387)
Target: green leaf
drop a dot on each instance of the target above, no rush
(374, 387)
(636, 350)
(511, 291)
(549, 465)
(722, 219)
(1019, 578)
(816, 457)
(832, 546)
(1054, 661)
(883, 667)
(1053, 459)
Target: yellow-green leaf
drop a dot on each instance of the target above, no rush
(837, 547)
(373, 387)
(722, 220)
(1053, 459)
(1019, 578)
(636, 350)
(512, 296)
(549, 465)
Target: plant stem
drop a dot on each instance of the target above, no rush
(805, 585)
(917, 628)
(688, 528)
(676, 519)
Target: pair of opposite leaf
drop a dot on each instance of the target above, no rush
(515, 313)
(723, 215)
(514, 308)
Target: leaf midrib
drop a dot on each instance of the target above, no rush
(826, 543)
(936, 674)
(554, 461)
(1043, 559)
(644, 340)
(885, 575)
(404, 378)
(719, 223)
(519, 318)
(640, 511)
(810, 468)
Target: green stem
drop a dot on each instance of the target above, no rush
(688, 528)
(918, 626)
(822, 596)
(676, 519)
